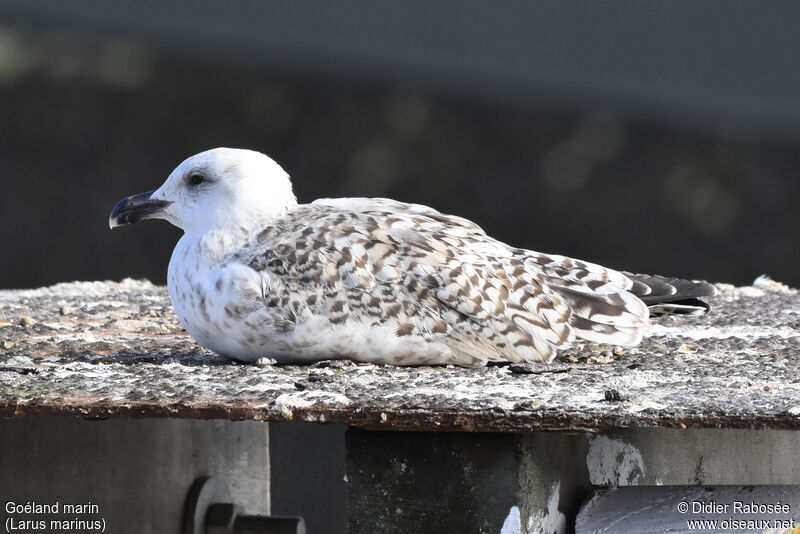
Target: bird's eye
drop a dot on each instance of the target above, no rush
(196, 178)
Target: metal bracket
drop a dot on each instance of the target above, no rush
(208, 510)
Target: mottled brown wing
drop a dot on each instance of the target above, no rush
(441, 277)
(604, 309)
(428, 273)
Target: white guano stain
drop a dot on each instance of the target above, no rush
(715, 332)
(512, 524)
(612, 462)
(551, 521)
(288, 402)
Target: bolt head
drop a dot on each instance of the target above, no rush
(221, 517)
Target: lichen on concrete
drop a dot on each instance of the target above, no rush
(106, 349)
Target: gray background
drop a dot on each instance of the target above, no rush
(651, 137)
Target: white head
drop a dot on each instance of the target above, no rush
(218, 188)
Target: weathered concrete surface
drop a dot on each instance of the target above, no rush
(702, 456)
(116, 350)
(307, 471)
(430, 482)
(535, 482)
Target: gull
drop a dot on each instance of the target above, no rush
(257, 275)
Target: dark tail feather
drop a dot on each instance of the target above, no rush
(671, 295)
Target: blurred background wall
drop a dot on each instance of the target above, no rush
(653, 137)
(650, 137)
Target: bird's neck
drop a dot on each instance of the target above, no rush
(212, 243)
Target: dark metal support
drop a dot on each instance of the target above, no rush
(209, 511)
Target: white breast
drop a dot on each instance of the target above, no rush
(191, 281)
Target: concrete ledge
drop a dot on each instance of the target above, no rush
(706, 401)
(102, 349)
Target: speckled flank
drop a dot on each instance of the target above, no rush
(103, 349)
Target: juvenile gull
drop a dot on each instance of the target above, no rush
(257, 275)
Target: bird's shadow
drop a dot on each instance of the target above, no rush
(189, 359)
(153, 358)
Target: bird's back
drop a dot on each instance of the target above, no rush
(422, 277)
